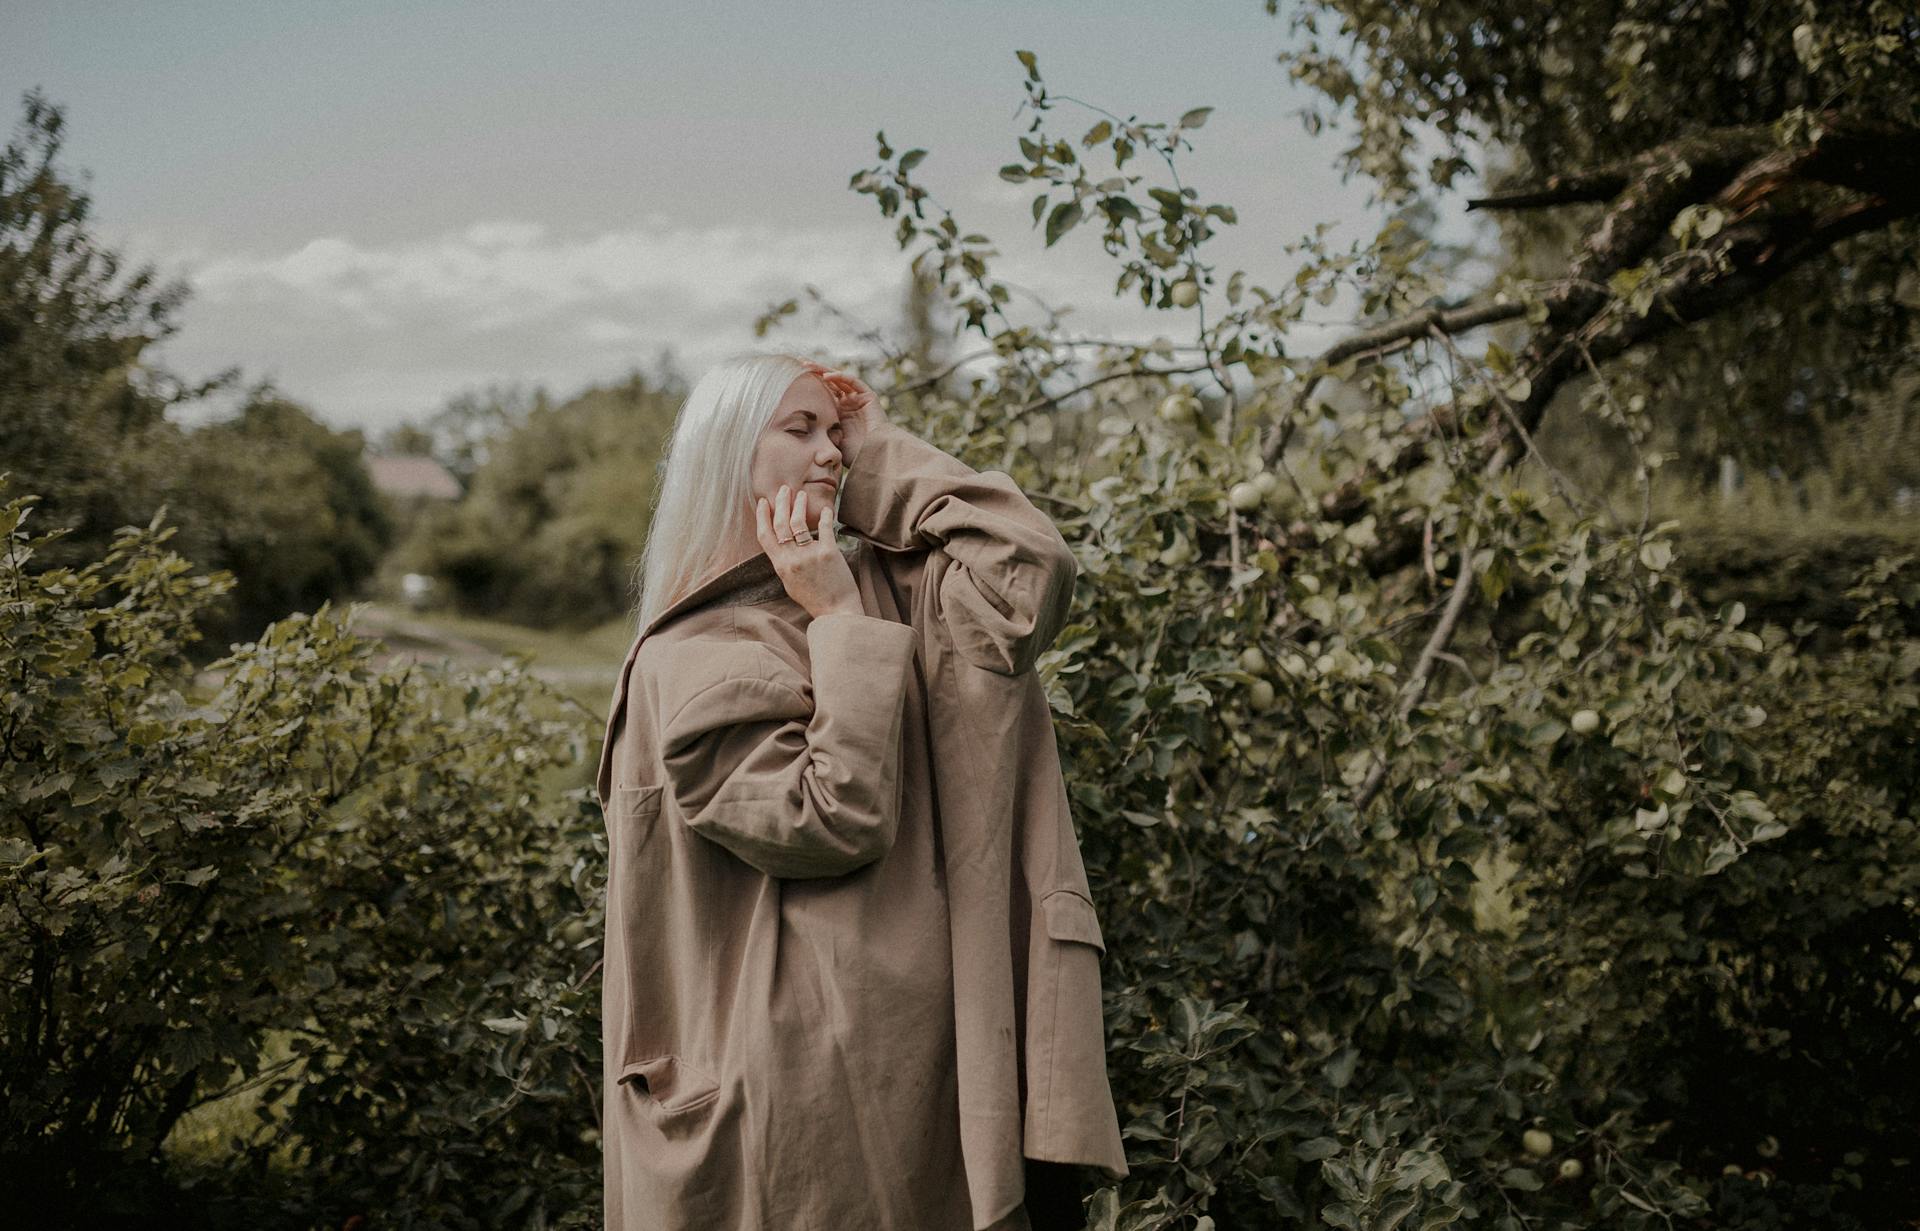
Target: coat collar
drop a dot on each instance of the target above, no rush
(752, 580)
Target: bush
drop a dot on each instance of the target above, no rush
(1639, 873)
(367, 861)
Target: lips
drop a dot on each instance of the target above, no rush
(829, 484)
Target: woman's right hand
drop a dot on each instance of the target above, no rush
(815, 574)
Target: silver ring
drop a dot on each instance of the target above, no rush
(805, 536)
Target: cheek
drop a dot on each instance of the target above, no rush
(778, 460)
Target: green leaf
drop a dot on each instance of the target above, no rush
(1062, 220)
(1194, 118)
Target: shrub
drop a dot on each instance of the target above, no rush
(367, 861)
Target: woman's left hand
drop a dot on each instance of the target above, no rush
(859, 407)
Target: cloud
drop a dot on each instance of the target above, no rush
(371, 333)
(368, 334)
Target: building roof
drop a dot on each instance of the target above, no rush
(413, 477)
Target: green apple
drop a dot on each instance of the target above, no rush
(1570, 1169)
(1185, 292)
(1267, 481)
(1252, 661)
(1261, 694)
(1244, 496)
(1539, 1142)
(1585, 722)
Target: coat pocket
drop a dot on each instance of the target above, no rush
(633, 813)
(669, 1083)
(1070, 916)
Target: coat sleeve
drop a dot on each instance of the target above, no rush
(1008, 590)
(798, 778)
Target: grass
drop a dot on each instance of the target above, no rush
(580, 665)
(601, 646)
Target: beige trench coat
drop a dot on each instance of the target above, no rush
(852, 963)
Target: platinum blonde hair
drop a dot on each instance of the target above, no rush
(703, 486)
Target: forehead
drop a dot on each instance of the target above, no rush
(807, 393)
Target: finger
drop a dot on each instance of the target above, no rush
(799, 526)
(763, 522)
(782, 515)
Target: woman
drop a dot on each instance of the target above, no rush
(852, 963)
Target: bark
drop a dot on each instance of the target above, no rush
(1785, 206)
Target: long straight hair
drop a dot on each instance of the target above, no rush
(702, 492)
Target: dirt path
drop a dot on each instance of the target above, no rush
(414, 640)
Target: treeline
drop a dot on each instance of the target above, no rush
(271, 493)
(556, 497)
(557, 502)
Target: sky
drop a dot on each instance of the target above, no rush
(379, 206)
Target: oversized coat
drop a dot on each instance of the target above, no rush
(852, 961)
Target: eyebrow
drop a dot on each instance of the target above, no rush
(810, 417)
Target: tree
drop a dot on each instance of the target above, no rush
(465, 424)
(282, 501)
(271, 494)
(556, 515)
(82, 415)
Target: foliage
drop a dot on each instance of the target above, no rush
(463, 431)
(1469, 851)
(365, 859)
(556, 515)
(1437, 93)
(286, 504)
(1403, 854)
(77, 419)
(272, 495)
